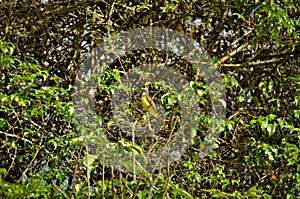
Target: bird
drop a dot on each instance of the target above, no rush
(149, 105)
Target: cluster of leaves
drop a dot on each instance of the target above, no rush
(32, 114)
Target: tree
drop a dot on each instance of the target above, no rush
(255, 45)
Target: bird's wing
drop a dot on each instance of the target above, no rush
(151, 103)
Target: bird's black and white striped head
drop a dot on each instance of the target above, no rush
(145, 90)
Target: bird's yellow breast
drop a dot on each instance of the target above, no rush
(145, 103)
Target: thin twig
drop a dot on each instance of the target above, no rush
(234, 52)
(24, 172)
(255, 63)
(31, 162)
(121, 184)
(75, 172)
(16, 136)
(137, 187)
(88, 172)
(58, 189)
(167, 186)
(152, 184)
(102, 188)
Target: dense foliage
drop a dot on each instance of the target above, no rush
(255, 45)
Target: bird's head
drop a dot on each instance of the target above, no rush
(145, 91)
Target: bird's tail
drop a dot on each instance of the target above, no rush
(162, 121)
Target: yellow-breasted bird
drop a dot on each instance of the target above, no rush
(149, 105)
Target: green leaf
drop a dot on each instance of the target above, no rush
(297, 100)
(264, 124)
(271, 129)
(241, 98)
